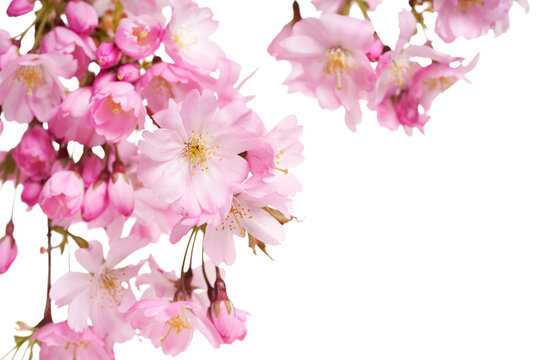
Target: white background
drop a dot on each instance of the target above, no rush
(423, 247)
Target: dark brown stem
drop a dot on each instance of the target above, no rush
(47, 315)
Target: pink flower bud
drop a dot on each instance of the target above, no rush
(107, 55)
(116, 110)
(121, 194)
(129, 72)
(81, 17)
(375, 51)
(62, 195)
(229, 322)
(8, 249)
(30, 193)
(35, 153)
(20, 7)
(95, 200)
(92, 166)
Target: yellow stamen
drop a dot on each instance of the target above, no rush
(466, 5)
(141, 34)
(184, 40)
(32, 76)
(441, 83)
(177, 323)
(339, 63)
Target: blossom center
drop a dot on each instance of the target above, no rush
(141, 34)
(115, 107)
(277, 159)
(400, 71)
(184, 40)
(31, 76)
(233, 220)
(199, 150)
(110, 284)
(339, 63)
(83, 344)
(466, 5)
(177, 323)
(162, 87)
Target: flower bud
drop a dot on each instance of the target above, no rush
(229, 322)
(35, 153)
(95, 200)
(375, 51)
(30, 193)
(8, 249)
(107, 55)
(92, 166)
(62, 195)
(81, 17)
(129, 72)
(121, 194)
(20, 7)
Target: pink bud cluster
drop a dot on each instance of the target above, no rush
(143, 148)
(342, 61)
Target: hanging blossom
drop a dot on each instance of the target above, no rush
(395, 84)
(137, 149)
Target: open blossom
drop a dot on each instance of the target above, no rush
(62, 195)
(58, 341)
(73, 122)
(103, 294)
(116, 110)
(186, 37)
(64, 41)
(81, 17)
(138, 37)
(192, 161)
(403, 84)
(30, 86)
(8, 249)
(164, 81)
(470, 18)
(170, 325)
(329, 62)
(35, 153)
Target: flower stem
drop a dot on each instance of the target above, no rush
(47, 315)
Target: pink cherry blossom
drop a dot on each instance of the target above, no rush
(62, 195)
(246, 217)
(470, 18)
(73, 122)
(5, 41)
(164, 81)
(186, 37)
(192, 161)
(20, 7)
(103, 294)
(30, 86)
(170, 325)
(329, 62)
(58, 341)
(35, 153)
(138, 37)
(8, 249)
(64, 41)
(116, 110)
(81, 17)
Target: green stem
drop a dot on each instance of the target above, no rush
(346, 8)
(364, 7)
(47, 315)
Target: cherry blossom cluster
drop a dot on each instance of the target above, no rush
(342, 60)
(134, 124)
